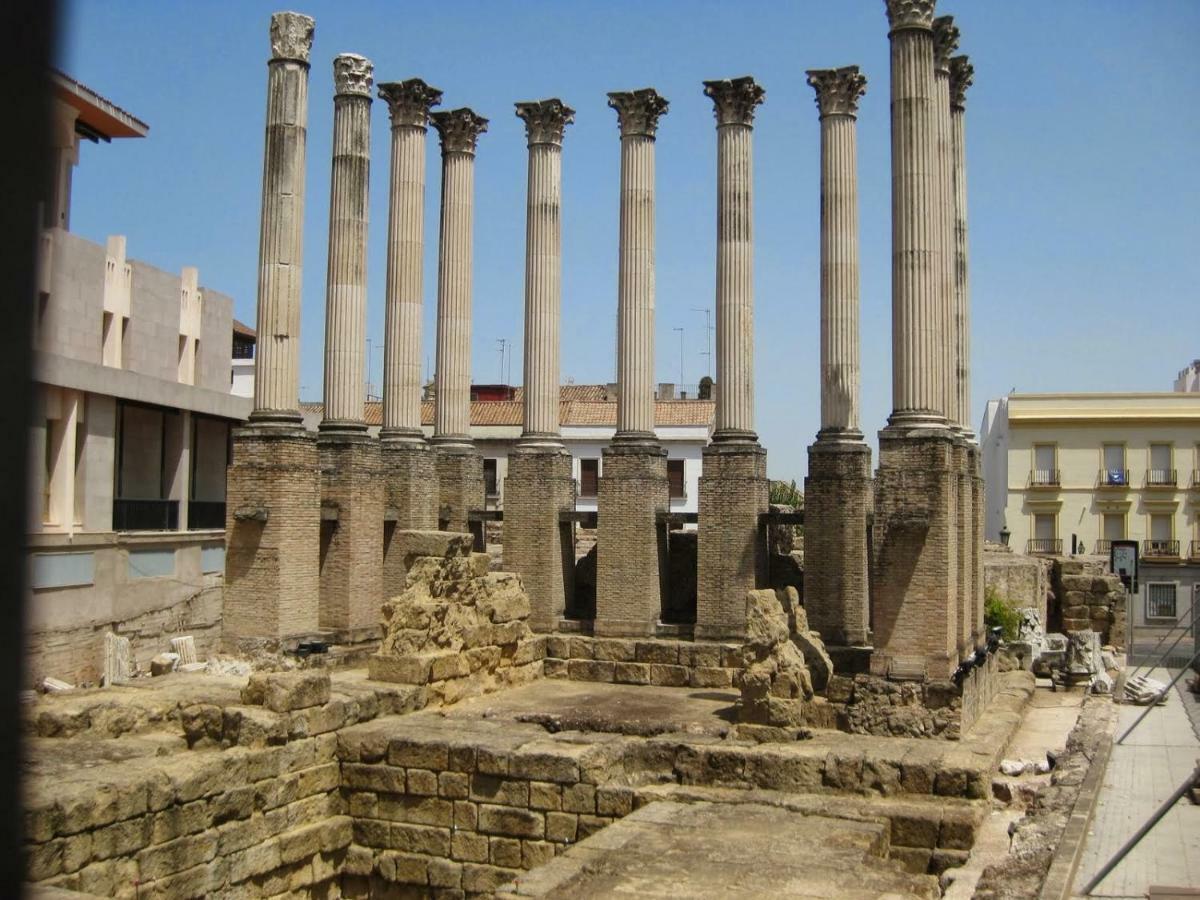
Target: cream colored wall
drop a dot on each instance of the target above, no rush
(1079, 430)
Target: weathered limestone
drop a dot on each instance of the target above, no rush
(945, 41)
(915, 578)
(281, 238)
(837, 490)
(539, 485)
(633, 488)
(351, 502)
(961, 76)
(775, 683)
(273, 493)
(409, 471)
(459, 467)
(731, 552)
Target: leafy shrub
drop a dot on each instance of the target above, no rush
(997, 612)
(786, 493)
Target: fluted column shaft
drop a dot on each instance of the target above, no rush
(635, 290)
(280, 243)
(960, 79)
(452, 419)
(346, 279)
(945, 39)
(734, 102)
(408, 103)
(545, 122)
(918, 308)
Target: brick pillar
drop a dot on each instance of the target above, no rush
(539, 486)
(731, 544)
(351, 536)
(630, 544)
(459, 466)
(273, 493)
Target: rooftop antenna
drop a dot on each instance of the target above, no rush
(501, 342)
(708, 332)
(368, 385)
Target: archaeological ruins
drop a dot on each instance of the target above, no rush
(450, 728)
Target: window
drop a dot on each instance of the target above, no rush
(1114, 472)
(1114, 526)
(1160, 471)
(589, 477)
(675, 478)
(491, 487)
(1160, 526)
(1045, 526)
(1044, 472)
(1160, 601)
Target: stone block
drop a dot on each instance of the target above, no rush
(287, 691)
(663, 652)
(418, 754)
(422, 783)
(536, 853)
(504, 851)
(426, 839)
(503, 820)
(561, 828)
(614, 650)
(453, 785)
(631, 673)
(467, 846)
(579, 798)
(545, 796)
(706, 677)
(590, 670)
(481, 879)
(445, 874)
(501, 791)
(669, 676)
(466, 815)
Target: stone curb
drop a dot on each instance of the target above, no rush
(1061, 875)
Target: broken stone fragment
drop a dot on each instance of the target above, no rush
(164, 663)
(286, 691)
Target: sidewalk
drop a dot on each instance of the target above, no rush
(1141, 774)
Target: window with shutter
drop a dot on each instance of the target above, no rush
(675, 478)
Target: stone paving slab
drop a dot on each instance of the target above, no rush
(718, 850)
(1142, 772)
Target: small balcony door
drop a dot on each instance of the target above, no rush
(1043, 465)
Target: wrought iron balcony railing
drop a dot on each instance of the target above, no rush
(1114, 478)
(1154, 549)
(1045, 478)
(1161, 478)
(146, 515)
(205, 514)
(1044, 545)
(1195, 551)
(1103, 547)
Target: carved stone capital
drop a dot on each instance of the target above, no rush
(962, 76)
(638, 111)
(459, 129)
(910, 14)
(409, 101)
(545, 120)
(945, 42)
(837, 90)
(291, 36)
(352, 74)
(734, 100)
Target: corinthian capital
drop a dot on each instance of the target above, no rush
(291, 36)
(409, 101)
(545, 120)
(734, 100)
(962, 76)
(910, 14)
(352, 75)
(638, 111)
(945, 42)
(459, 129)
(837, 90)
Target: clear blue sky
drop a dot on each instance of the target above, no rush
(1083, 147)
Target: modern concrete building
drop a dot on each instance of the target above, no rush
(241, 375)
(1189, 378)
(130, 435)
(1070, 473)
(587, 419)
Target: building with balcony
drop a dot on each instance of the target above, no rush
(130, 435)
(1070, 473)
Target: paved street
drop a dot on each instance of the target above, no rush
(1141, 774)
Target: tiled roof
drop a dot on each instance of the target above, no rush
(243, 329)
(579, 413)
(97, 112)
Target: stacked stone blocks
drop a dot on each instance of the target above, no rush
(410, 501)
(656, 662)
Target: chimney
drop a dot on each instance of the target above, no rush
(666, 391)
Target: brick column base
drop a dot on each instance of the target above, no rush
(460, 485)
(631, 547)
(537, 546)
(272, 537)
(837, 501)
(964, 524)
(731, 552)
(410, 502)
(351, 535)
(914, 584)
(979, 509)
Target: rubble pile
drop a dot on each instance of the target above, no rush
(776, 681)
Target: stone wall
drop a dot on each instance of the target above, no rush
(669, 663)
(1089, 598)
(1021, 581)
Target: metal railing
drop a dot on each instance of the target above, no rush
(145, 515)
(1161, 478)
(1196, 479)
(1044, 545)
(205, 514)
(1044, 478)
(1114, 478)
(1154, 548)
(1195, 550)
(1103, 547)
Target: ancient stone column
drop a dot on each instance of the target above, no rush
(352, 505)
(281, 237)
(633, 488)
(273, 497)
(915, 577)
(460, 468)
(409, 473)
(539, 485)
(346, 281)
(837, 491)
(945, 41)
(731, 550)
